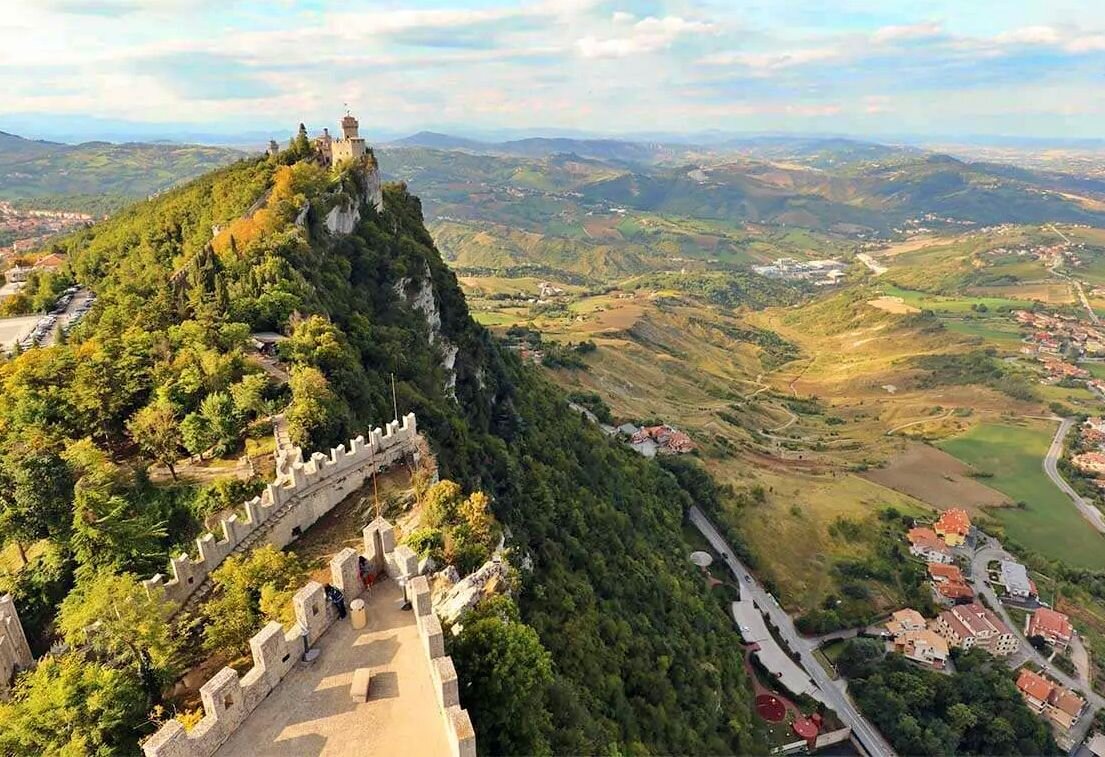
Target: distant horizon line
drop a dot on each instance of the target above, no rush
(121, 131)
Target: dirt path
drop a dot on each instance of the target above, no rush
(943, 417)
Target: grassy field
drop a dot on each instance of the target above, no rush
(997, 330)
(960, 304)
(1049, 523)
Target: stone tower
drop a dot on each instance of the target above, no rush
(351, 145)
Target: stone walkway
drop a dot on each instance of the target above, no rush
(311, 714)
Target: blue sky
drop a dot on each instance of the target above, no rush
(939, 67)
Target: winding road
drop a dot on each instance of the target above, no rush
(1051, 468)
(833, 693)
(990, 549)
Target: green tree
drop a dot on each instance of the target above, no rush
(67, 706)
(110, 533)
(249, 588)
(113, 615)
(249, 395)
(223, 421)
(315, 416)
(36, 489)
(155, 429)
(507, 673)
(197, 434)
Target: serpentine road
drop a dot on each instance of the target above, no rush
(1051, 462)
(832, 693)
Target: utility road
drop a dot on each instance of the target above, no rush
(832, 693)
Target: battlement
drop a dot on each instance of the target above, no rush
(15, 653)
(302, 492)
(228, 700)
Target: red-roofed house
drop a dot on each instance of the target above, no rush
(1059, 705)
(924, 543)
(952, 526)
(948, 582)
(50, 262)
(1053, 626)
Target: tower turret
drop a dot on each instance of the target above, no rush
(351, 145)
(349, 126)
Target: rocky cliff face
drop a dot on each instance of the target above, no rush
(419, 294)
(346, 214)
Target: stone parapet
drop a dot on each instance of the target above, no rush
(301, 494)
(228, 700)
(15, 653)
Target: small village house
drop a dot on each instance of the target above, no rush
(904, 620)
(1052, 626)
(952, 526)
(923, 646)
(924, 543)
(1060, 705)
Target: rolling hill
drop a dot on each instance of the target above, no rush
(75, 176)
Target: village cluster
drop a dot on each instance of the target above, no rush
(29, 228)
(1051, 255)
(967, 623)
(1054, 340)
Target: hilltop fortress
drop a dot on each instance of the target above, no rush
(351, 146)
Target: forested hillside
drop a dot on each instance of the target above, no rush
(640, 657)
(98, 177)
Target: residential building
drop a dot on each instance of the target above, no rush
(924, 543)
(1014, 577)
(50, 262)
(905, 620)
(949, 583)
(1053, 626)
(924, 646)
(952, 526)
(972, 625)
(1060, 705)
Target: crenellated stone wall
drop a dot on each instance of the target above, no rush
(228, 700)
(15, 653)
(302, 493)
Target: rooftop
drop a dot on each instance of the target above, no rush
(311, 711)
(1034, 685)
(954, 520)
(1049, 622)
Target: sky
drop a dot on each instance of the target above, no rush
(937, 67)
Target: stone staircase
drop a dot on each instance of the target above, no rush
(255, 539)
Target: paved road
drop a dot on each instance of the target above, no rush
(832, 693)
(1051, 461)
(991, 550)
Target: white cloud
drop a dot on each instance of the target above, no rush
(923, 30)
(648, 35)
(773, 61)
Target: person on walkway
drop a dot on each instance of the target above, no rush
(367, 576)
(337, 599)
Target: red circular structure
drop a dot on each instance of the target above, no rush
(771, 708)
(805, 728)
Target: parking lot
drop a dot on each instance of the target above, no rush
(41, 330)
(13, 330)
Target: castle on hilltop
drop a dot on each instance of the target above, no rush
(330, 151)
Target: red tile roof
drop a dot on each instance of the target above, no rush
(955, 521)
(1049, 623)
(1034, 685)
(942, 572)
